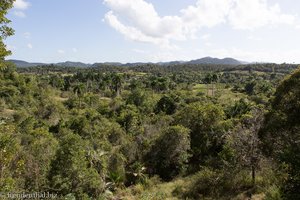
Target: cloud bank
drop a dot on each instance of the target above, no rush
(138, 20)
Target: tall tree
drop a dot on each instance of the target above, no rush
(281, 132)
(206, 124)
(5, 31)
(169, 155)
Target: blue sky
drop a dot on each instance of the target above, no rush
(155, 30)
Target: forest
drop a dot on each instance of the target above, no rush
(149, 132)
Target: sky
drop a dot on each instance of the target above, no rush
(154, 30)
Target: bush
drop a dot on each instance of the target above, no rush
(273, 193)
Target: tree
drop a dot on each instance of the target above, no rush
(169, 155)
(10, 165)
(70, 173)
(116, 84)
(205, 123)
(137, 97)
(79, 92)
(38, 153)
(129, 119)
(244, 142)
(280, 133)
(208, 80)
(5, 31)
(166, 104)
(249, 87)
(238, 109)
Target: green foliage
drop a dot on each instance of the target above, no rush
(38, 155)
(10, 165)
(216, 184)
(280, 133)
(249, 87)
(274, 193)
(169, 155)
(238, 109)
(5, 31)
(70, 172)
(166, 104)
(205, 122)
(91, 133)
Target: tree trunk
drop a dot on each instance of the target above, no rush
(253, 175)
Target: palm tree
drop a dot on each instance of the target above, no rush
(79, 92)
(214, 79)
(208, 80)
(117, 83)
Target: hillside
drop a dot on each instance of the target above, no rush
(206, 60)
(216, 61)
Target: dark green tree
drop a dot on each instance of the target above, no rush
(70, 172)
(205, 122)
(169, 155)
(5, 31)
(166, 104)
(281, 132)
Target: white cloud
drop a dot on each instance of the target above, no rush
(29, 45)
(143, 22)
(60, 51)
(251, 14)
(206, 13)
(138, 20)
(27, 35)
(140, 51)
(208, 44)
(74, 50)
(20, 14)
(254, 38)
(205, 37)
(21, 4)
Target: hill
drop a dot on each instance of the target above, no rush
(206, 60)
(216, 61)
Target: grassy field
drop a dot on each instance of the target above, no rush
(224, 95)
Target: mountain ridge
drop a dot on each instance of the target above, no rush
(204, 60)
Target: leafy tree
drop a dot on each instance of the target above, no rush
(57, 81)
(5, 31)
(238, 109)
(169, 155)
(244, 143)
(116, 83)
(137, 97)
(249, 87)
(79, 91)
(129, 119)
(205, 122)
(38, 154)
(166, 104)
(280, 133)
(10, 165)
(70, 172)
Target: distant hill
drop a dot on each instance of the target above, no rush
(216, 61)
(206, 60)
(21, 63)
(73, 64)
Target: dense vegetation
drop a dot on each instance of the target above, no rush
(150, 132)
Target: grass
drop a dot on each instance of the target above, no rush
(156, 191)
(168, 190)
(7, 113)
(224, 95)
